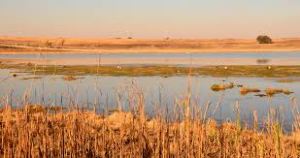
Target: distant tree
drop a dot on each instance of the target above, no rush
(129, 38)
(48, 44)
(62, 43)
(263, 39)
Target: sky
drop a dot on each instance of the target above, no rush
(150, 18)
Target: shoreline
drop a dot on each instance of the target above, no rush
(151, 51)
(161, 61)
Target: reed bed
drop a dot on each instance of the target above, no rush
(37, 131)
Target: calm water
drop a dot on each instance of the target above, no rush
(103, 91)
(260, 55)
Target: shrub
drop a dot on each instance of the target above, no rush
(63, 41)
(48, 44)
(262, 61)
(262, 39)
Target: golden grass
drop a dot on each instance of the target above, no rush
(19, 45)
(245, 90)
(217, 87)
(33, 132)
(221, 87)
(271, 91)
(289, 80)
(69, 78)
(32, 78)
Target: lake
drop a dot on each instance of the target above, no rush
(182, 59)
(256, 55)
(159, 92)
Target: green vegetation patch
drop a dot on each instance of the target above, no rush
(158, 70)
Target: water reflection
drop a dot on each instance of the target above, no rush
(103, 93)
(255, 55)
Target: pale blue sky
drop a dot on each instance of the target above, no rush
(150, 19)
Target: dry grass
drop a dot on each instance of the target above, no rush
(114, 45)
(222, 87)
(34, 132)
(69, 78)
(245, 90)
(217, 87)
(289, 80)
(271, 91)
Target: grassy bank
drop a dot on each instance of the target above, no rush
(34, 131)
(160, 70)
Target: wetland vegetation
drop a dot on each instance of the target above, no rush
(157, 70)
(35, 131)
